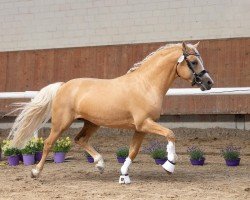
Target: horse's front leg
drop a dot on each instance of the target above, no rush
(150, 126)
(133, 151)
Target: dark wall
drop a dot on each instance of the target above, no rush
(227, 60)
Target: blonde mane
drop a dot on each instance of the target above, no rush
(138, 64)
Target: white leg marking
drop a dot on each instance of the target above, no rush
(172, 158)
(35, 173)
(125, 166)
(100, 163)
(124, 178)
(171, 152)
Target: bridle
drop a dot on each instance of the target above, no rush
(197, 80)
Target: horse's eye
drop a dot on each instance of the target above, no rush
(194, 62)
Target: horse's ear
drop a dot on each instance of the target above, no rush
(184, 46)
(196, 45)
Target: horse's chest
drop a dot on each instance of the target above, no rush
(154, 109)
(151, 107)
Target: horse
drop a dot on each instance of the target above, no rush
(132, 101)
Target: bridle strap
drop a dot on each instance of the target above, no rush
(202, 73)
(197, 77)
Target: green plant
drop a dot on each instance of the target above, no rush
(196, 153)
(11, 152)
(158, 154)
(230, 153)
(37, 144)
(62, 145)
(31, 147)
(154, 145)
(8, 150)
(122, 152)
(28, 150)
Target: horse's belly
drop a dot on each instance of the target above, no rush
(104, 112)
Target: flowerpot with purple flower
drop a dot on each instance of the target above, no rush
(89, 158)
(59, 157)
(122, 154)
(160, 161)
(61, 147)
(159, 155)
(157, 151)
(13, 160)
(38, 145)
(120, 159)
(11, 153)
(231, 155)
(28, 159)
(20, 156)
(38, 156)
(197, 156)
(197, 162)
(233, 163)
(28, 153)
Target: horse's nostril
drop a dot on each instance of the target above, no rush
(209, 82)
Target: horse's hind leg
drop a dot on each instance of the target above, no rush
(82, 139)
(60, 122)
(133, 151)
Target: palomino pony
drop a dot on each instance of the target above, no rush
(106, 103)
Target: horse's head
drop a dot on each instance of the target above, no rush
(190, 67)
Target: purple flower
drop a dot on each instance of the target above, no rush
(154, 145)
(231, 152)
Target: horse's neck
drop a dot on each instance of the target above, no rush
(160, 71)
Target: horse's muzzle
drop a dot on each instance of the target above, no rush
(206, 85)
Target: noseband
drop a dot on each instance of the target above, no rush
(197, 80)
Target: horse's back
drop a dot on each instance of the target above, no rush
(100, 101)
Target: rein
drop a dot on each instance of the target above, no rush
(197, 80)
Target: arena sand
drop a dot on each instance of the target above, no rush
(77, 179)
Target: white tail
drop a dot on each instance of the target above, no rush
(33, 116)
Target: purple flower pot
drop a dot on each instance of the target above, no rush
(160, 161)
(197, 162)
(13, 160)
(29, 159)
(20, 156)
(90, 159)
(233, 163)
(121, 160)
(38, 156)
(59, 157)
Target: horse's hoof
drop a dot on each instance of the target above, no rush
(169, 173)
(124, 179)
(169, 167)
(35, 173)
(100, 168)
